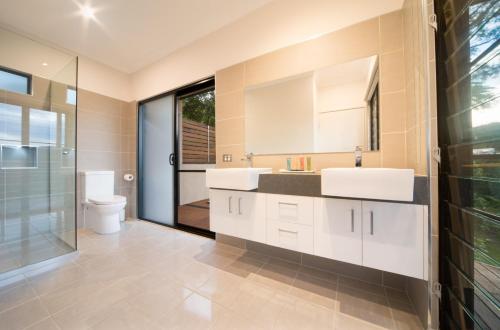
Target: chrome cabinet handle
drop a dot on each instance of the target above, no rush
(291, 204)
(371, 222)
(288, 231)
(229, 199)
(352, 220)
(239, 206)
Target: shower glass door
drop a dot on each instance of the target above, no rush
(37, 157)
(156, 160)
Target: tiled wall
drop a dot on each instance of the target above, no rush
(381, 36)
(106, 140)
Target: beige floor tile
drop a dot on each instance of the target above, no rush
(360, 285)
(196, 312)
(404, 316)
(318, 273)
(51, 280)
(89, 311)
(245, 265)
(161, 301)
(276, 274)
(302, 314)
(222, 287)
(194, 275)
(315, 290)
(346, 322)
(69, 295)
(150, 277)
(16, 295)
(24, 315)
(250, 298)
(397, 295)
(45, 324)
(126, 317)
(365, 306)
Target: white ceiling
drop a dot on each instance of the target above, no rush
(127, 34)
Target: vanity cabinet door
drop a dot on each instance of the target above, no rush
(393, 237)
(338, 229)
(222, 211)
(250, 219)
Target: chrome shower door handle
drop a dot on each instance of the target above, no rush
(352, 220)
(371, 222)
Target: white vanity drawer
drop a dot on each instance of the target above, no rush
(290, 236)
(294, 209)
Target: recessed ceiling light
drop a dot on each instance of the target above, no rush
(88, 11)
(45, 64)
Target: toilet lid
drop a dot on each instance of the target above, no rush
(104, 200)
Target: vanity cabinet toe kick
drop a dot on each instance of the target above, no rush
(381, 235)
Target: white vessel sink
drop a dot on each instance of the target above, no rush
(246, 178)
(372, 183)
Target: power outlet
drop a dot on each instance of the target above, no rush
(227, 158)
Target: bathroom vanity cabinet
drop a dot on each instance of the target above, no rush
(382, 235)
(238, 213)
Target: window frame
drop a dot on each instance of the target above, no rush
(29, 77)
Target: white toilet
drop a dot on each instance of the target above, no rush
(103, 210)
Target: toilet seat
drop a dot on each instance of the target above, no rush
(107, 200)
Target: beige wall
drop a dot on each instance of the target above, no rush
(381, 35)
(106, 140)
(104, 80)
(279, 24)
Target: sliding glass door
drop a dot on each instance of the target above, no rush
(156, 160)
(196, 131)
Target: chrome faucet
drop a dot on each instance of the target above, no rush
(249, 158)
(358, 155)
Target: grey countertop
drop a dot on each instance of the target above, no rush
(310, 185)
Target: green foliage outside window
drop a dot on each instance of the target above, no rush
(200, 108)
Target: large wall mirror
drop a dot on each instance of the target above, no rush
(332, 109)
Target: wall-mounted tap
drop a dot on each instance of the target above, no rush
(358, 155)
(249, 158)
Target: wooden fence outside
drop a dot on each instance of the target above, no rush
(198, 143)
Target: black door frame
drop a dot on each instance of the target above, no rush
(183, 90)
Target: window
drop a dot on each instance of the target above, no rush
(11, 123)
(71, 96)
(43, 126)
(198, 127)
(374, 122)
(15, 81)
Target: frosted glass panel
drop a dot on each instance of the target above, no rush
(156, 173)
